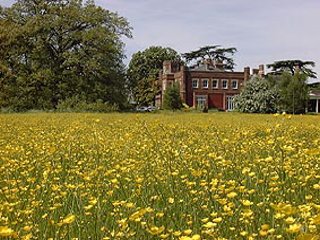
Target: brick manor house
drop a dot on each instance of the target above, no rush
(205, 85)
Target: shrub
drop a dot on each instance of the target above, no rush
(172, 100)
(78, 104)
(258, 96)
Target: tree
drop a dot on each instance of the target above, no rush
(213, 53)
(258, 96)
(53, 50)
(172, 99)
(293, 92)
(143, 70)
(291, 66)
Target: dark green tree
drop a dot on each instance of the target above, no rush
(54, 50)
(172, 99)
(291, 66)
(214, 53)
(257, 96)
(144, 69)
(293, 92)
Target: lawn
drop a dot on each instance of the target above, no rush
(159, 176)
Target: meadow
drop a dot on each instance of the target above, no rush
(186, 176)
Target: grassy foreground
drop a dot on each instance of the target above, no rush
(153, 176)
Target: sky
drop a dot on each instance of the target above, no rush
(262, 31)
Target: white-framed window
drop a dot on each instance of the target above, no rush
(215, 83)
(201, 101)
(230, 104)
(195, 83)
(234, 84)
(225, 84)
(205, 83)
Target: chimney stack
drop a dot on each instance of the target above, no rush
(261, 70)
(167, 67)
(246, 73)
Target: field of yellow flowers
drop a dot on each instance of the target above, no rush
(180, 176)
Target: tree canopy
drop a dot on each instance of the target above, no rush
(53, 50)
(293, 91)
(143, 70)
(278, 67)
(214, 53)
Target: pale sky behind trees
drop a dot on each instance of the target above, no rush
(262, 31)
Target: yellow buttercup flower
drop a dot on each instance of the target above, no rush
(68, 219)
(154, 230)
(294, 228)
(232, 195)
(5, 231)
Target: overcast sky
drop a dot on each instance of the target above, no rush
(262, 31)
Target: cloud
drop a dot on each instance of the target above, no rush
(6, 3)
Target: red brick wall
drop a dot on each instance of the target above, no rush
(216, 96)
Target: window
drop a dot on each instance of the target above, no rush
(230, 104)
(225, 84)
(234, 84)
(215, 83)
(201, 101)
(195, 83)
(205, 83)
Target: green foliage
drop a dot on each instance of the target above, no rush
(53, 50)
(279, 67)
(146, 91)
(143, 70)
(293, 92)
(258, 96)
(285, 93)
(78, 104)
(213, 53)
(314, 86)
(172, 99)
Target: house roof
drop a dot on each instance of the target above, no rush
(205, 68)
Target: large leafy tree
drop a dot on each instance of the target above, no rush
(214, 53)
(144, 68)
(291, 66)
(53, 50)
